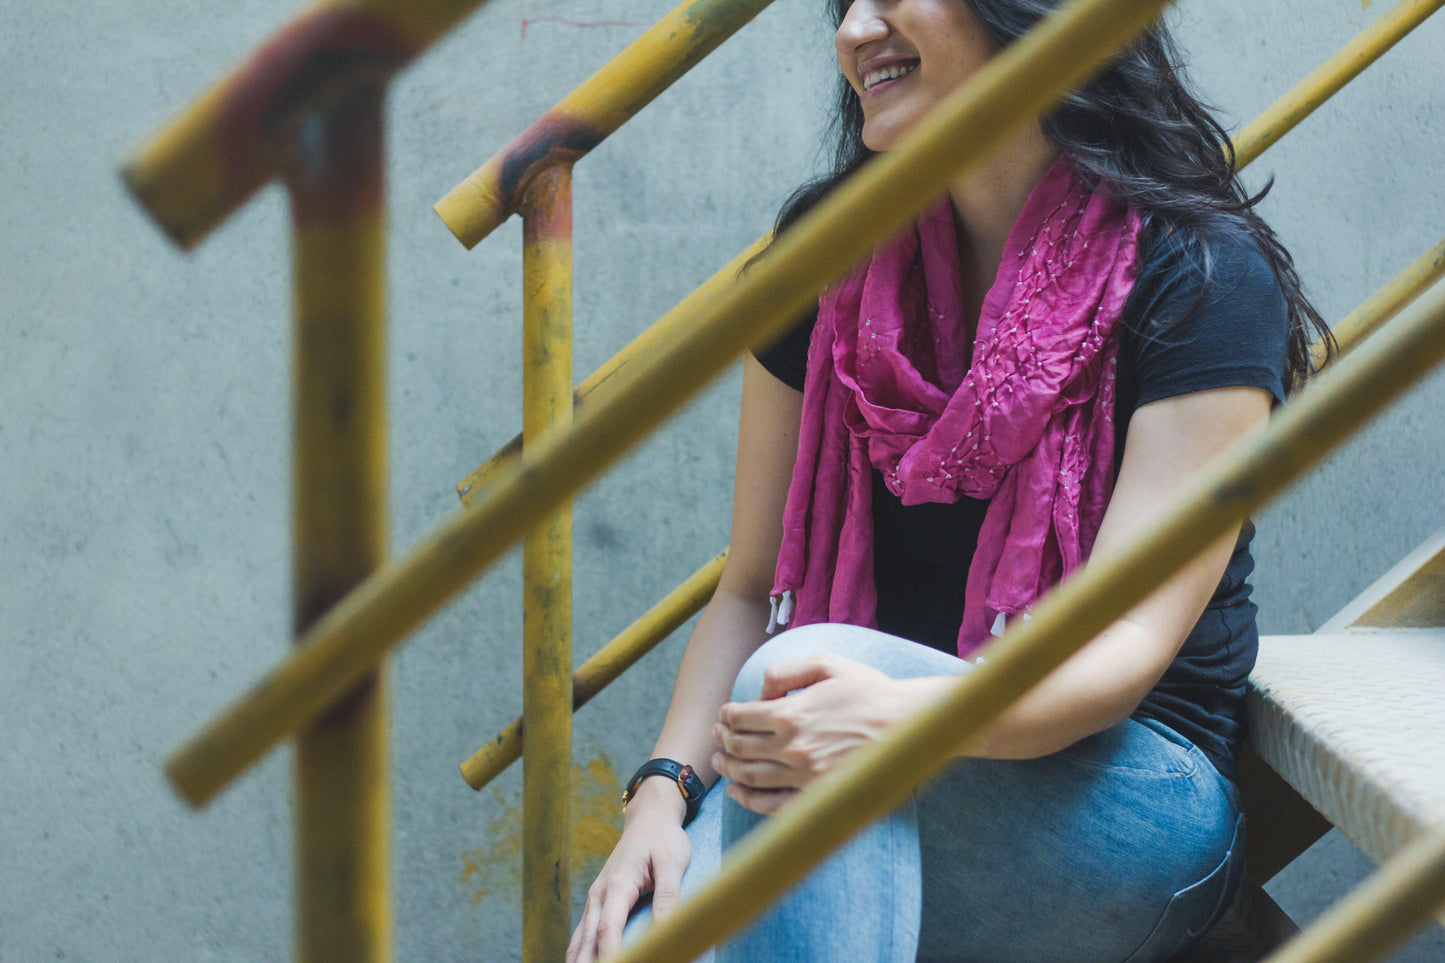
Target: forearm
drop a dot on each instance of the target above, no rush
(1105, 681)
(1078, 699)
(730, 629)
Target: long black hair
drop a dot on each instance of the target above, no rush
(1139, 131)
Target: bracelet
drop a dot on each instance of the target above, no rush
(686, 780)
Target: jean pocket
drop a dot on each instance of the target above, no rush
(1194, 909)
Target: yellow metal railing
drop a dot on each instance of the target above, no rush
(602, 669)
(357, 633)
(587, 116)
(533, 177)
(879, 777)
(1330, 77)
(324, 78)
(307, 109)
(467, 210)
(1404, 895)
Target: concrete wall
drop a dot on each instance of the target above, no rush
(144, 429)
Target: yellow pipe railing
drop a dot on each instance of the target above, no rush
(234, 139)
(1381, 913)
(356, 634)
(592, 112)
(338, 487)
(547, 572)
(687, 599)
(212, 184)
(671, 325)
(1257, 137)
(1387, 302)
(613, 659)
(307, 108)
(877, 778)
(1276, 121)
(1329, 77)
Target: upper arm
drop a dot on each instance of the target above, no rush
(767, 447)
(1208, 365)
(1168, 443)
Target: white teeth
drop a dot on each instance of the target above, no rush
(873, 78)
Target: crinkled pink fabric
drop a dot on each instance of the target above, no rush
(1023, 416)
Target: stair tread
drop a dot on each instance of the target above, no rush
(1353, 720)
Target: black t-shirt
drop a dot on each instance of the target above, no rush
(1172, 342)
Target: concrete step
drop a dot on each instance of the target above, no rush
(1353, 721)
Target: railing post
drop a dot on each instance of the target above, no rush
(547, 574)
(339, 521)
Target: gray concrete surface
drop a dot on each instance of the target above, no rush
(144, 431)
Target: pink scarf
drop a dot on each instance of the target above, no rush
(1024, 418)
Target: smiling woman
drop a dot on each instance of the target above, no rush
(1023, 378)
(902, 58)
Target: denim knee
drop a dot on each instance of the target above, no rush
(792, 644)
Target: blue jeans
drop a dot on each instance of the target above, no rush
(1125, 846)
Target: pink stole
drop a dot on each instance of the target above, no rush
(1022, 417)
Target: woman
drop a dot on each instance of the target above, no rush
(1025, 376)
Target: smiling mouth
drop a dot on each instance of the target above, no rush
(875, 77)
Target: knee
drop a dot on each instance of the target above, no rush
(792, 644)
(890, 655)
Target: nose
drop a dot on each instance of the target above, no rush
(862, 24)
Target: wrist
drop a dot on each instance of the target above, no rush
(656, 796)
(910, 696)
(689, 786)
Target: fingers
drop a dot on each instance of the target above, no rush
(783, 677)
(583, 947)
(758, 718)
(765, 802)
(613, 917)
(748, 745)
(667, 887)
(757, 773)
(600, 932)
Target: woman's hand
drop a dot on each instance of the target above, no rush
(772, 748)
(649, 858)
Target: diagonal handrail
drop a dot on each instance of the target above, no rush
(671, 325)
(1257, 137)
(1271, 125)
(604, 667)
(878, 777)
(592, 112)
(1254, 139)
(688, 598)
(355, 635)
(1330, 77)
(1387, 302)
(1380, 913)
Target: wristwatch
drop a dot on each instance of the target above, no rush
(686, 780)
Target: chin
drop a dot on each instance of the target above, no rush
(878, 142)
(881, 137)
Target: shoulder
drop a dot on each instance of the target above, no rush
(1207, 311)
(787, 358)
(1185, 272)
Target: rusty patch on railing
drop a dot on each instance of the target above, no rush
(552, 139)
(319, 53)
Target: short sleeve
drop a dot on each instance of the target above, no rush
(1236, 334)
(787, 358)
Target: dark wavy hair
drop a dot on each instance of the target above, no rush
(1139, 131)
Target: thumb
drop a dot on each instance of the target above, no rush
(783, 677)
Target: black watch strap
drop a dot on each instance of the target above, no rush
(682, 776)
